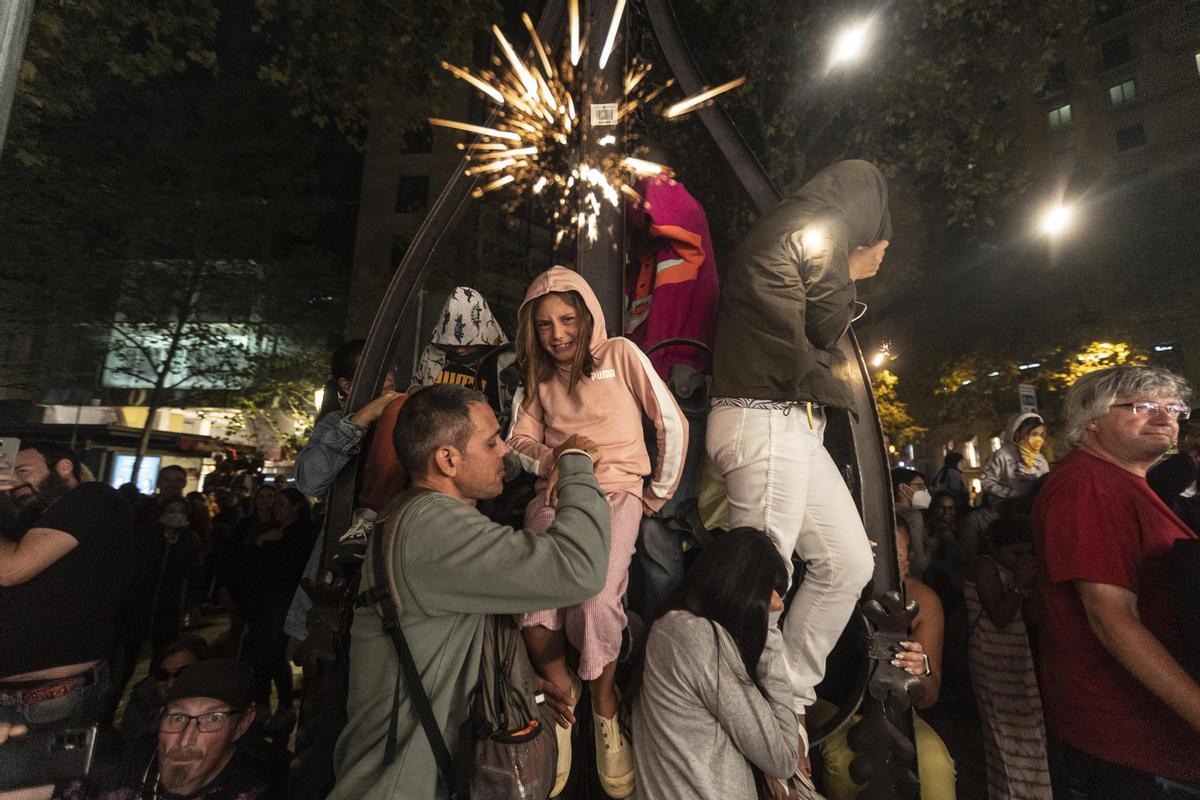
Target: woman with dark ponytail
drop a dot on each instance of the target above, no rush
(712, 707)
(338, 436)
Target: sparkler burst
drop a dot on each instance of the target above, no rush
(533, 146)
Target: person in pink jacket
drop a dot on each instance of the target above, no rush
(577, 380)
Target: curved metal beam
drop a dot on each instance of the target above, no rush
(753, 179)
(401, 298)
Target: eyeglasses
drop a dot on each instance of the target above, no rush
(1151, 409)
(164, 674)
(206, 723)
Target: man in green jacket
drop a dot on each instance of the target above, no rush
(454, 566)
(787, 297)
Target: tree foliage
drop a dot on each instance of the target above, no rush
(340, 62)
(898, 425)
(932, 101)
(1092, 358)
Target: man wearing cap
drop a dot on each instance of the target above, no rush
(208, 709)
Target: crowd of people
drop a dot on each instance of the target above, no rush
(531, 478)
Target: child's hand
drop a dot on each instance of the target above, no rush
(579, 442)
(574, 442)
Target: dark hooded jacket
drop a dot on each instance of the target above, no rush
(785, 304)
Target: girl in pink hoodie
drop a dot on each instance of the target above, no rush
(578, 381)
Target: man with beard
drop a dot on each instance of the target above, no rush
(209, 708)
(64, 566)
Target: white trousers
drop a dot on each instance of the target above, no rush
(782, 481)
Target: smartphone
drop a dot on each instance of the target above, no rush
(8, 458)
(47, 757)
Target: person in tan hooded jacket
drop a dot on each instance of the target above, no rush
(576, 380)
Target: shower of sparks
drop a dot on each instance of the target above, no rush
(698, 100)
(533, 145)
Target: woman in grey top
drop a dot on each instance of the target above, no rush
(712, 706)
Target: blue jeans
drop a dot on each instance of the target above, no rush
(79, 707)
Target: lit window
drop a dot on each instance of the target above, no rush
(971, 452)
(1122, 92)
(1198, 62)
(1059, 117)
(1130, 138)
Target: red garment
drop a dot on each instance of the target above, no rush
(1097, 522)
(671, 291)
(382, 475)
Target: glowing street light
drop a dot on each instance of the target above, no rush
(850, 43)
(1056, 220)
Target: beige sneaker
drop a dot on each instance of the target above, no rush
(562, 770)
(614, 757)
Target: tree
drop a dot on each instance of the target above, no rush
(934, 101)
(898, 426)
(176, 218)
(170, 332)
(347, 64)
(77, 45)
(1092, 358)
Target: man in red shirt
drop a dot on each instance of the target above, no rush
(1116, 692)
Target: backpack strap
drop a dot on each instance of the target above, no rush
(386, 602)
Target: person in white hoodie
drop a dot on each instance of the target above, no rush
(1011, 471)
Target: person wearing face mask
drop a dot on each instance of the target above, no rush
(168, 562)
(912, 498)
(1011, 471)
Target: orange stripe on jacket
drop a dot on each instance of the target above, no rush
(687, 245)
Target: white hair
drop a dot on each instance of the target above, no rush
(1092, 395)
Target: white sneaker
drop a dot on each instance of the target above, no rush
(614, 757)
(562, 769)
(352, 545)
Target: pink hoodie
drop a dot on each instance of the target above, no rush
(606, 407)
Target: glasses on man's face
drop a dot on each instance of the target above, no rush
(163, 674)
(208, 722)
(1177, 412)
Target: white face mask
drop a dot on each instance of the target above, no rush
(921, 499)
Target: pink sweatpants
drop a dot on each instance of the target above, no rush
(594, 626)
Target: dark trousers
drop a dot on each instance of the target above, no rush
(266, 647)
(1092, 778)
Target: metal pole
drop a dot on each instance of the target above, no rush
(602, 261)
(15, 16)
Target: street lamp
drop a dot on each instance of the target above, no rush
(1056, 220)
(850, 43)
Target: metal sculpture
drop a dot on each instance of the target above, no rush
(883, 739)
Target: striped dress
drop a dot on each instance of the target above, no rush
(1010, 706)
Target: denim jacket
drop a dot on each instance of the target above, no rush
(335, 440)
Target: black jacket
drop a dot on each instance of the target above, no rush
(787, 297)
